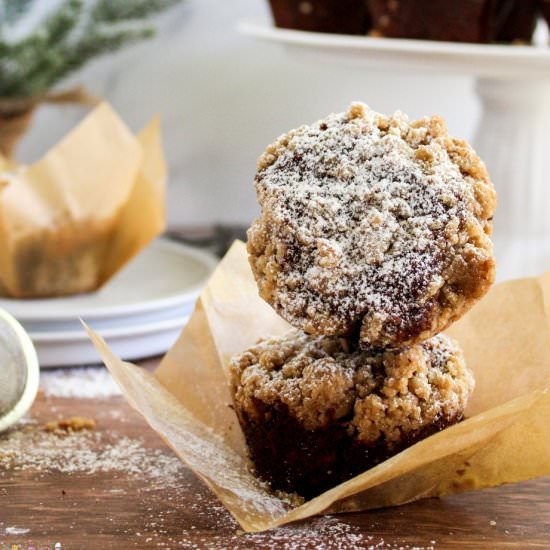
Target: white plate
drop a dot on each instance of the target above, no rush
(488, 60)
(59, 349)
(127, 321)
(162, 282)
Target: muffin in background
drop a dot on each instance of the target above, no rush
(73, 219)
(520, 24)
(332, 16)
(545, 7)
(447, 20)
(317, 411)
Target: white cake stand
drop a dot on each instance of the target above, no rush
(513, 136)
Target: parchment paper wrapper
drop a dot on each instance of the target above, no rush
(505, 439)
(69, 222)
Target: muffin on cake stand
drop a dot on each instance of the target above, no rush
(513, 134)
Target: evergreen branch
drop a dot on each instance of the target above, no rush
(96, 44)
(59, 25)
(12, 10)
(36, 57)
(69, 38)
(113, 11)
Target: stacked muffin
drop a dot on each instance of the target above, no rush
(480, 21)
(374, 236)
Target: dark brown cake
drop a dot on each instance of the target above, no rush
(545, 8)
(333, 16)
(520, 24)
(316, 412)
(450, 20)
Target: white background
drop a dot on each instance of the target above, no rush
(223, 97)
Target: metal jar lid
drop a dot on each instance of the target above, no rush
(19, 371)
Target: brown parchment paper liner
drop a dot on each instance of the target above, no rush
(506, 438)
(70, 221)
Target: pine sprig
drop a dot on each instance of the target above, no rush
(12, 10)
(98, 43)
(67, 39)
(36, 58)
(122, 10)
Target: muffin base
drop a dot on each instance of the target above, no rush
(62, 262)
(310, 462)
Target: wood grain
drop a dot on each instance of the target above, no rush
(113, 510)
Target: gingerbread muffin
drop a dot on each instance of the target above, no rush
(545, 8)
(316, 411)
(520, 24)
(449, 20)
(332, 16)
(372, 225)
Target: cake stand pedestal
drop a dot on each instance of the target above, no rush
(513, 134)
(513, 137)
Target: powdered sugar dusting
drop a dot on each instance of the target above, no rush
(364, 219)
(82, 382)
(321, 533)
(33, 448)
(16, 531)
(207, 453)
(175, 510)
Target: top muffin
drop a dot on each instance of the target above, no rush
(372, 225)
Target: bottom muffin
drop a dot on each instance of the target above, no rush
(315, 411)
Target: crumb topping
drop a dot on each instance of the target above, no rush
(376, 395)
(372, 223)
(73, 424)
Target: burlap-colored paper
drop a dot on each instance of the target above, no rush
(70, 221)
(506, 438)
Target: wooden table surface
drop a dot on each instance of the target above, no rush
(113, 510)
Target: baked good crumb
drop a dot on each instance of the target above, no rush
(73, 424)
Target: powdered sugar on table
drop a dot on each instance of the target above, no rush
(84, 382)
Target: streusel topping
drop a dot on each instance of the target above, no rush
(374, 224)
(377, 395)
